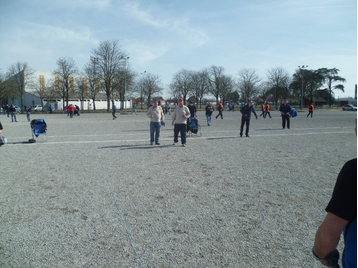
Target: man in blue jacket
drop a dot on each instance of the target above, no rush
(246, 116)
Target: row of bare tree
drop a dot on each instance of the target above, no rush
(108, 72)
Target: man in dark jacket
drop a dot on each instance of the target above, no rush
(246, 116)
(12, 111)
(285, 110)
(192, 109)
(208, 112)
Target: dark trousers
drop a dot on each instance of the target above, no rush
(220, 113)
(243, 122)
(284, 119)
(182, 129)
(310, 113)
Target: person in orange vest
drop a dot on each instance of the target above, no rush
(310, 110)
(220, 108)
(267, 110)
(263, 108)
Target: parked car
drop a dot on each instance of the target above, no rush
(349, 107)
(37, 108)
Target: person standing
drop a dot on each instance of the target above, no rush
(285, 110)
(209, 109)
(77, 109)
(180, 116)
(267, 110)
(310, 110)
(246, 116)
(134, 109)
(50, 108)
(220, 109)
(341, 217)
(192, 109)
(169, 108)
(156, 115)
(114, 110)
(28, 113)
(71, 110)
(12, 111)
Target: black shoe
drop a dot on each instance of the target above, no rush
(240, 135)
(247, 135)
(157, 143)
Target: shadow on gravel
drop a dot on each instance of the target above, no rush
(224, 138)
(267, 129)
(134, 147)
(22, 142)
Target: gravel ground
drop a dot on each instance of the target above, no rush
(96, 194)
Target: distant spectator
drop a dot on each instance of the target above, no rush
(114, 110)
(310, 110)
(192, 109)
(134, 109)
(12, 111)
(28, 113)
(285, 110)
(220, 109)
(209, 109)
(71, 110)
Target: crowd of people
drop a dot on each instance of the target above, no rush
(184, 114)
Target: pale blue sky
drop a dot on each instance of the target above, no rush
(164, 36)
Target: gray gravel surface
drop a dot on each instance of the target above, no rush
(96, 194)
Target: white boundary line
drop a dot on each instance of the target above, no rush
(146, 140)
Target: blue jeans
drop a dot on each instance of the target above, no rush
(154, 127)
(208, 119)
(28, 116)
(13, 115)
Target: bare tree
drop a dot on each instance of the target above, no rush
(248, 83)
(122, 84)
(93, 80)
(277, 83)
(44, 89)
(226, 86)
(151, 85)
(66, 71)
(331, 76)
(110, 57)
(21, 75)
(215, 80)
(200, 85)
(182, 83)
(81, 88)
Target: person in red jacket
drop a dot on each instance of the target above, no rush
(71, 110)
